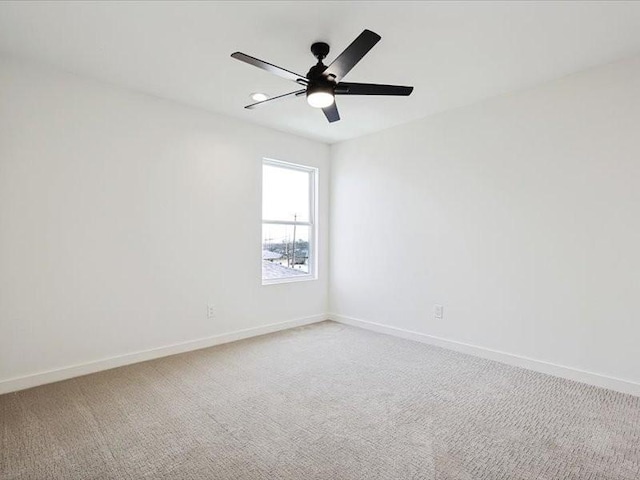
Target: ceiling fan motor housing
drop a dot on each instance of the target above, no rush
(320, 50)
(320, 86)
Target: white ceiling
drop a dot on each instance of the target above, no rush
(454, 53)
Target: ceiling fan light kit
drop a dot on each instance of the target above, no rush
(322, 83)
(320, 96)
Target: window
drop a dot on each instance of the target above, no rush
(288, 222)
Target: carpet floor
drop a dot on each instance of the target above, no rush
(324, 401)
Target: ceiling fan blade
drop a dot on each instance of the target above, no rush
(352, 55)
(347, 88)
(296, 93)
(331, 112)
(281, 72)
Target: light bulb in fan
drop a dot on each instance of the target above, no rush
(320, 96)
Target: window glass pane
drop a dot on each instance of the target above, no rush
(279, 257)
(285, 194)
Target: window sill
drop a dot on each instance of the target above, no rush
(296, 279)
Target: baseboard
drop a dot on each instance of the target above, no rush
(598, 380)
(20, 383)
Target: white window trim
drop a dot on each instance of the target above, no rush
(312, 223)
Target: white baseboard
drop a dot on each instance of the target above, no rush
(28, 381)
(598, 380)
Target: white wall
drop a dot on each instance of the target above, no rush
(521, 215)
(122, 215)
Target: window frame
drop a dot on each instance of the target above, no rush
(311, 223)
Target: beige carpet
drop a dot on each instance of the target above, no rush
(320, 402)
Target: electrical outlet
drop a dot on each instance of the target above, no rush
(438, 311)
(211, 310)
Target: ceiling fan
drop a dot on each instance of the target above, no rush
(322, 83)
